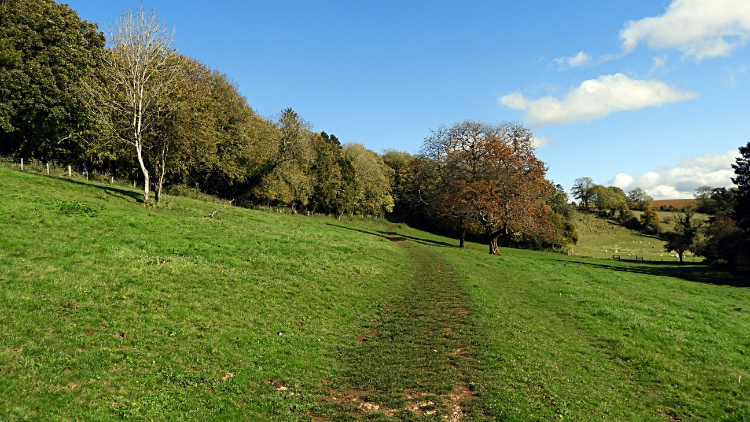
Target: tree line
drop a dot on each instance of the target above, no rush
(130, 105)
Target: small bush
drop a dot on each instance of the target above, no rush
(650, 221)
(72, 208)
(188, 192)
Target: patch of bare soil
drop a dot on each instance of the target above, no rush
(278, 385)
(677, 203)
(456, 399)
(356, 399)
(364, 337)
(422, 404)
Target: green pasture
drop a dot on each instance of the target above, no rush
(112, 310)
(572, 338)
(603, 238)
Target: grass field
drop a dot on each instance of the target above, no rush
(602, 238)
(116, 311)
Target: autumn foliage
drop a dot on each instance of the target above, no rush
(490, 182)
(142, 112)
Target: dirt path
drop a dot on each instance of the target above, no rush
(414, 362)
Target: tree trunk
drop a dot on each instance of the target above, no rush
(463, 238)
(493, 246)
(146, 180)
(146, 184)
(161, 171)
(159, 186)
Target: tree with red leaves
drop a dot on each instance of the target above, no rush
(490, 178)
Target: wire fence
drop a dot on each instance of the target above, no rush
(60, 170)
(670, 258)
(81, 173)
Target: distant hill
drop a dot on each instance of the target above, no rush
(677, 203)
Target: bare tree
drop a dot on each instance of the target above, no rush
(132, 96)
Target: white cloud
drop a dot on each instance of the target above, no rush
(579, 59)
(596, 98)
(540, 142)
(699, 28)
(732, 73)
(659, 61)
(680, 181)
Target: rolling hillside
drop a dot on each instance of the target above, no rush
(116, 311)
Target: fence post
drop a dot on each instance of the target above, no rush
(21, 164)
(112, 181)
(47, 168)
(70, 173)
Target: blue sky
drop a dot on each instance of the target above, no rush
(631, 93)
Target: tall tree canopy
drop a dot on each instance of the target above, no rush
(373, 193)
(638, 199)
(490, 180)
(45, 49)
(285, 177)
(582, 190)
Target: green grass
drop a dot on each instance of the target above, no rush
(165, 313)
(116, 311)
(600, 238)
(584, 339)
(416, 355)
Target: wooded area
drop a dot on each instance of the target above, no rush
(130, 106)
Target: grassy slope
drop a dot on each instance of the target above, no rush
(168, 314)
(586, 339)
(600, 238)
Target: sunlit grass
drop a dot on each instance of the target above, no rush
(603, 238)
(150, 312)
(113, 310)
(587, 339)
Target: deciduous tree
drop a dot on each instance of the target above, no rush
(685, 234)
(638, 199)
(650, 221)
(136, 78)
(490, 180)
(373, 195)
(582, 190)
(45, 50)
(286, 177)
(607, 198)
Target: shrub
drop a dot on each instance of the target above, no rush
(650, 221)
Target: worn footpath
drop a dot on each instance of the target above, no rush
(417, 360)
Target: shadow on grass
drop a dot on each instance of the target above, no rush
(108, 189)
(687, 271)
(396, 237)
